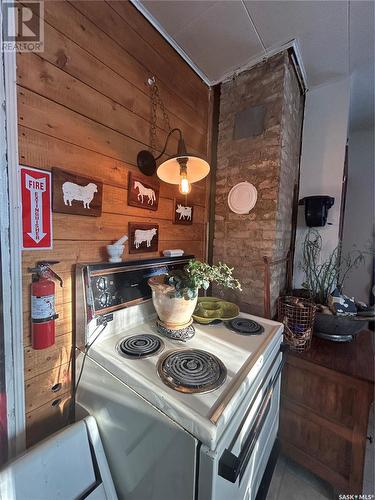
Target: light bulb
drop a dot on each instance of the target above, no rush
(184, 186)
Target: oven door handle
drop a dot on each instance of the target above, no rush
(232, 466)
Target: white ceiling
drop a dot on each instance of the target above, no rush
(220, 37)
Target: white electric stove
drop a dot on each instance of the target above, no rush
(179, 420)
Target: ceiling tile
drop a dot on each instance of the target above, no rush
(220, 39)
(174, 15)
(319, 26)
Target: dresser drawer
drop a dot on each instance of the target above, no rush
(318, 439)
(323, 421)
(322, 391)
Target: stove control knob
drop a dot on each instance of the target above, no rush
(101, 283)
(105, 299)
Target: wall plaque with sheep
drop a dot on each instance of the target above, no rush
(74, 194)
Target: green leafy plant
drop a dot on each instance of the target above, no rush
(197, 275)
(322, 277)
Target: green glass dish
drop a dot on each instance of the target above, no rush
(210, 308)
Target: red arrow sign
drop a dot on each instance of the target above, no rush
(36, 208)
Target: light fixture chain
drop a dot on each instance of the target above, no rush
(163, 110)
(155, 102)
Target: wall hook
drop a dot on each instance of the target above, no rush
(151, 81)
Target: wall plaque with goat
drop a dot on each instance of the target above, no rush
(183, 212)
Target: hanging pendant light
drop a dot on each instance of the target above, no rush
(183, 169)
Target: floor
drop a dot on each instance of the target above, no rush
(290, 481)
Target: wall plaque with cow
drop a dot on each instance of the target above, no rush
(143, 194)
(74, 194)
(143, 237)
(183, 212)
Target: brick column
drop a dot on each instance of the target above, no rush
(269, 161)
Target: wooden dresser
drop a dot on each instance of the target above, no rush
(326, 395)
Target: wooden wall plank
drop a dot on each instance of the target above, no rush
(107, 20)
(39, 150)
(115, 202)
(37, 362)
(47, 419)
(41, 114)
(45, 79)
(40, 389)
(76, 27)
(84, 106)
(69, 253)
(111, 226)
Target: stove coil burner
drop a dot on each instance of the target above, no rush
(140, 346)
(192, 370)
(246, 326)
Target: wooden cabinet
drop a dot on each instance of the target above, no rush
(326, 396)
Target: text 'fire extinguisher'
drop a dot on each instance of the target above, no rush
(43, 314)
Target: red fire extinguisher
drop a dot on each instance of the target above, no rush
(43, 314)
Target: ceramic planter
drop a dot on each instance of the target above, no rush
(173, 311)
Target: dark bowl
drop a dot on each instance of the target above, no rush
(337, 325)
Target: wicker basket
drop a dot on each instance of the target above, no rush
(297, 314)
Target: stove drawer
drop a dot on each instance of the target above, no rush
(236, 471)
(233, 465)
(250, 474)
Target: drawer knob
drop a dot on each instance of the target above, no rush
(56, 387)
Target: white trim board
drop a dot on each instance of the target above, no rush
(291, 44)
(10, 234)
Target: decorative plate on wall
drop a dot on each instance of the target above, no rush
(242, 198)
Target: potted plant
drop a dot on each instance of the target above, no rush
(175, 294)
(322, 277)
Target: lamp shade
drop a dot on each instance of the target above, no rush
(196, 169)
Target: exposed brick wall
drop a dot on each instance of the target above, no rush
(270, 162)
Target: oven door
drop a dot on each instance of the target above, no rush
(238, 468)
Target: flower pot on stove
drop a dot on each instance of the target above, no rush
(174, 312)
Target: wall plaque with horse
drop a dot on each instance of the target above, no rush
(143, 194)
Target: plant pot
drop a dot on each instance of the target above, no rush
(173, 311)
(331, 324)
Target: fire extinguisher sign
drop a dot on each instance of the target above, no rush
(36, 209)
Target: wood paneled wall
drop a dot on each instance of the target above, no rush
(84, 105)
